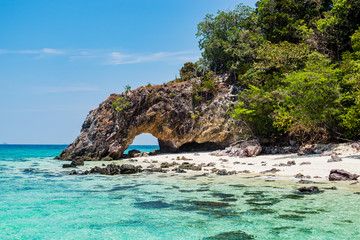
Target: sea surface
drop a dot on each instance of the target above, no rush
(39, 200)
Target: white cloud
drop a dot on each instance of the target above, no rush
(51, 51)
(108, 57)
(117, 58)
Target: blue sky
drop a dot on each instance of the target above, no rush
(60, 59)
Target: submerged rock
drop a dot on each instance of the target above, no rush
(309, 190)
(341, 175)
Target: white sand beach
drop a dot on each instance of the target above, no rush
(288, 166)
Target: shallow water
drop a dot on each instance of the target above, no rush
(46, 203)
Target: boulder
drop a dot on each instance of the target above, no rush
(245, 149)
(134, 153)
(342, 175)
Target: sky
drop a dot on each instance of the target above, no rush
(61, 59)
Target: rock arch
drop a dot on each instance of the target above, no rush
(166, 111)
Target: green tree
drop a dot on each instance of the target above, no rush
(289, 20)
(227, 40)
(309, 103)
(339, 23)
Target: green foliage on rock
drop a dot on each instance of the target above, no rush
(188, 71)
(120, 104)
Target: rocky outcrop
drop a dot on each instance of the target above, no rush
(245, 149)
(342, 175)
(177, 114)
(110, 169)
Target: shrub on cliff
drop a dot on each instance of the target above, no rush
(120, 104)
(188, 71)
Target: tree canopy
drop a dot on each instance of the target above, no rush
(297, 63)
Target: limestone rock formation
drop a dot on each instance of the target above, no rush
(177, 114)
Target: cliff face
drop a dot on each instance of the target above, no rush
(170, 112)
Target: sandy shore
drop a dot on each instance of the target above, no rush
(312, 166)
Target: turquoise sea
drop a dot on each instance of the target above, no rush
(45, 202)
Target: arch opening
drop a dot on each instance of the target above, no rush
(144, 142)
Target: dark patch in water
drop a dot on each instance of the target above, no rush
(228, 200)
(256, 193)
(203, 184)
(52, 175)
(348, 221)
(293, 196)
(152, 205)
(222, 195)
(238, 186)
(306, 212)
(175, 187)
(278, 230)
(118, 197)
(120, 188)
(262, 201)
(308, 230)
(183, 190)
(209, 204)
(260, 211)
(207, 208)
(158, 197)
(239, 235)
(291, 217)
(205, 189)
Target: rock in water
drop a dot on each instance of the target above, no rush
(342, 175)
(309, 190)
(74, 163)
(166, 111)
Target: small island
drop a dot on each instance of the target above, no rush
(265, 85)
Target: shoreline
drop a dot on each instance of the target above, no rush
(310, 168)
